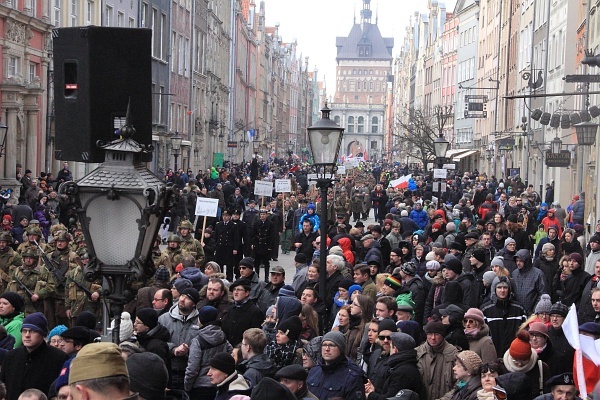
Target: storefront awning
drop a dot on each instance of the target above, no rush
(455, 152)
(463, 155)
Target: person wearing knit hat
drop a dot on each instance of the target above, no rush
(574, 286)
(12, 317)
(54, 335)
(179, 285)
(558, 309)
(35, 364)
(343, 378)
(478, 335)
(403, 371)
(542, 308)
(287, 290)
(488, 278)
(479, 255)
(148, 375)
(497, 261)
(192, 294)
(147, 317)
(466, 371)
(222, 374)
(36, 322)
(268, 389)
(520, 350)
(432, 265)
(391, 284)
(162, 274)
(453, 265)
(209, 340)
(283, 350)
(436, 357)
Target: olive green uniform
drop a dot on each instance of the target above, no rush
(38, 280)
(193, 246)
(55, 310)
(76, 300)
(9, 259)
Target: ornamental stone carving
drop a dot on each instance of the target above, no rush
(18, 32)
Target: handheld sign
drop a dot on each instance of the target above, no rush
(341, 170)
(440, 173)
(207, 207)
(263, 188)
(283, 186)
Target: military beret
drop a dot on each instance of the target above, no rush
(562, 379)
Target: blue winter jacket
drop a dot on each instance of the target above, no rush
(420, 217)
(344, 381)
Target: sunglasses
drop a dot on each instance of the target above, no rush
(469, 321)
(384, 337)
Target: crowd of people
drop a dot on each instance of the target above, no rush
(458, 298)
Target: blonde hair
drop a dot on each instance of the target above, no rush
(379, 279)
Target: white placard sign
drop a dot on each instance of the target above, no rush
(440, 173)
(207, 207)
(354, 162)
(263, 188)
(341, 170)
(449, 166)
(283, 185)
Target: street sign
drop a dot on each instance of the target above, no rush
(559, 160)
(440, 173)
(476, 106)
(506, 144)
(232, 144)
(283, 185)
(582, 78)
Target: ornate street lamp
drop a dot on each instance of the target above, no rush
(120, 206)
(586, 133)
(176, 147)
(440, 147)
(256, 147)
(325, 140)
(556, 145)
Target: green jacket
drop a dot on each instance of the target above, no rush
(13, 327)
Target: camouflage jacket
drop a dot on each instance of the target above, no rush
(76, 298)
(38, 280)
(170, 258)
(8, 260)
(194, 247)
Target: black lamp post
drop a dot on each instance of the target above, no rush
(325, 140)
(120, 206)
(176, 146)
(255, 147)
(440, 147)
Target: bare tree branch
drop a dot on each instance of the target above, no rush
(419, 128)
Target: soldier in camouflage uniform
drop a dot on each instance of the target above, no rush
(190, 244)
(36, 278)
(8, 259)
(76, 298)
(64, 259)
(54, 231)
(172, 255)
(34, 234)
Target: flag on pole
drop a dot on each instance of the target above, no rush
(251, 134)
(272, 155)
(401, 183)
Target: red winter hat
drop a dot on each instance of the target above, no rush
(8, 217)
(436, 226)
(520, 349)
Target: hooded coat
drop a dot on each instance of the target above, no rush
(529, 283)
(503, 317)
(402, 373)
(209, 341)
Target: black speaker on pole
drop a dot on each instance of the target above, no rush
(97, 72)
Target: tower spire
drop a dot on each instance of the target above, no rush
(366, 13)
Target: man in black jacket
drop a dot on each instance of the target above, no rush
(243, 313)
(263, 243)
(34, 365)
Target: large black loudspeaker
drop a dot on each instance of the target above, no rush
(97, 72)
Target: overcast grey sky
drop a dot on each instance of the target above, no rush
(316, 23)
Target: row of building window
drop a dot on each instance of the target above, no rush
(88, 14)
(357, 124)
(14, 69)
